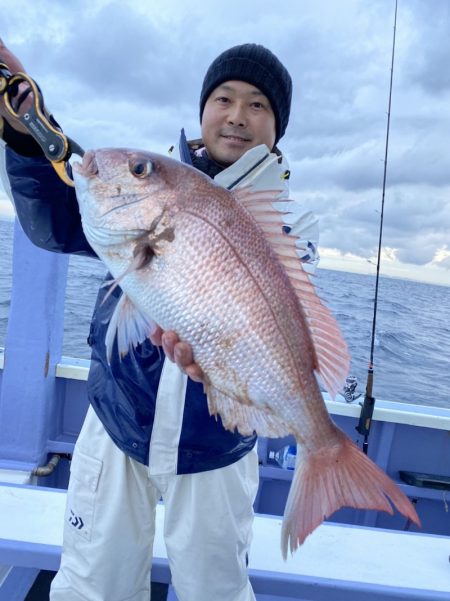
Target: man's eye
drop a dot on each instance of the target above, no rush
(222, 99)
(258, 105)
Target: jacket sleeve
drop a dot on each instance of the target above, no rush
(46, 207)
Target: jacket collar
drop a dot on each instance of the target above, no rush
(194, 153)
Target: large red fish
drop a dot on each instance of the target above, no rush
(215, 267)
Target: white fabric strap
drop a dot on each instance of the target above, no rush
(168, 420)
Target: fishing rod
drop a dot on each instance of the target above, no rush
(365, 418)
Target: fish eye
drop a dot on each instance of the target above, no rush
(140, 167)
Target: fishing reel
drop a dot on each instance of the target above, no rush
(349, 392)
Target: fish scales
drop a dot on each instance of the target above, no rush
(197, 259)
(223, 317)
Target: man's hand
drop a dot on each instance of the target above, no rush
(7, 57)
(178, 352)
(14, 65)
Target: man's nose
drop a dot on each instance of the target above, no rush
(236, 116)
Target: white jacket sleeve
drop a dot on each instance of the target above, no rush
(3, 175)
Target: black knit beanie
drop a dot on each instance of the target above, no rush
(259, 67)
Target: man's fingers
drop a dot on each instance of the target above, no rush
(7, 57)
(14, 66)
(169, 340)
(183, 354)
(194, 372)
(156, 336)
(184, 358)
(178, 352)
(23, 98)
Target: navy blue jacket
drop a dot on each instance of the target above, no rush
(123, 393)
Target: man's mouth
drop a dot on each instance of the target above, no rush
(234, 138)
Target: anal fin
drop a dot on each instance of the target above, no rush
(246, 418)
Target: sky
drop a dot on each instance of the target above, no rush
(129, 73)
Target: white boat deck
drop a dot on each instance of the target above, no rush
(335, 558)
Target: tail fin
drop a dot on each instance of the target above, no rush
(337, 475)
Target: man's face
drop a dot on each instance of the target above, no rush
(237, 116)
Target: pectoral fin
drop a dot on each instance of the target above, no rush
(129, 325)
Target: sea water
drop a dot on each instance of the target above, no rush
(412, 336)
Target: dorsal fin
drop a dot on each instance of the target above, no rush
(331, 350)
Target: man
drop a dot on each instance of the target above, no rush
(148, 433)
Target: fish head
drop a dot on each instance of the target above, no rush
(124, 194)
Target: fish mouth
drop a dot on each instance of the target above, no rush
(88, 167)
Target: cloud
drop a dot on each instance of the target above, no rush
(445, 262)
(426, 63)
